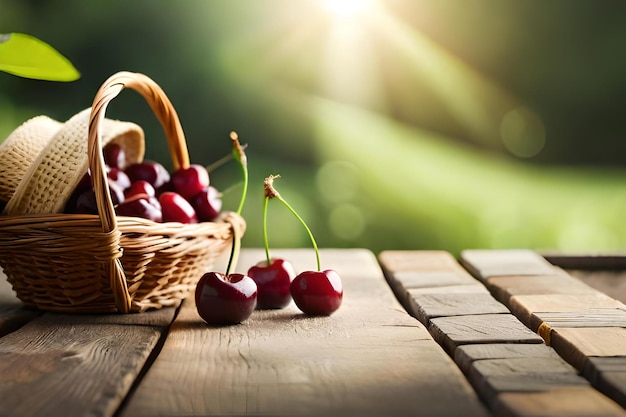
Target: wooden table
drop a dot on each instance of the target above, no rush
(419, 334)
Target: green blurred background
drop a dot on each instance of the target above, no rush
(395, 124)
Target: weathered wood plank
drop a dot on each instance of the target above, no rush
(432, 284)
(427, 306)
(611, 283)
(484, 263)
(465, 355)
(572, 401)
(419, 260)
(451, 332)
(608, 374)
(587, 261)
(598, 317)
(475, 288)
(504, 288)
(75, 365)
(576, 345)
(523, 306)
(13, 315)
(368, 359)
(491, 377)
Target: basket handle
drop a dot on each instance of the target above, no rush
(167, 116)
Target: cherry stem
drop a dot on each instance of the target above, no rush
(223, 160)
(240, 157)
(265, 239)
(270, 192)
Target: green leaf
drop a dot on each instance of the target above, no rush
(26, 56)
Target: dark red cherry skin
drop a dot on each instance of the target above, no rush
(114, 156)
(273, 283)
(224, 300)
(176, 209)
(317, 293)
(207, 204)
(119, 177)
(150, 171)
(140, 187)
(190, 181)
(145, 206)
(86, 200)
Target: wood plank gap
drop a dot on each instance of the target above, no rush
(149, 362)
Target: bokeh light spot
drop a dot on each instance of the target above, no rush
(337, 181)
(523, 132)
(347, 221)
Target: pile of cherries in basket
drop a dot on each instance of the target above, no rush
(146, 189)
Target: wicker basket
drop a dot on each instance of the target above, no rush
(106, 263)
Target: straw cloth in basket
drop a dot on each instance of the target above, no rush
(19, 150)
(58, 168)
(80, 263)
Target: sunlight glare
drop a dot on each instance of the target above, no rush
(348, 8)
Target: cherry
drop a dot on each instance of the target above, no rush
(316, 293)
(139, 188)
(141, 205)
(119, 177)
(273, 281)
(176, 209)
(207, 204)
(84, 183)
(225, 299)
(190, 181)
(150, 171)
(85, 202)
(114, 156)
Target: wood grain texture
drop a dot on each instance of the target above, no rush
(451, 332)
(419, 260)
(465, 355)
(608, 374)
(474, 288)
(12, 312)
(598, 317)
(576, 345)
(491, 377)
(611, 283)
(486, 263)
(523, 306)
(76, 365)
(572, 401)
(427, 306)
(505, 287)
(368, 359)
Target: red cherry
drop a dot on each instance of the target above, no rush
(140, 205)
(114, 156)
(176, 209)
(119, 177)
(317, 293)
(150, 171)
(86, 200)
(225, 299)
(190, 181)
(139, 188)
(273, 283)
(207, 204)
(85, 182)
